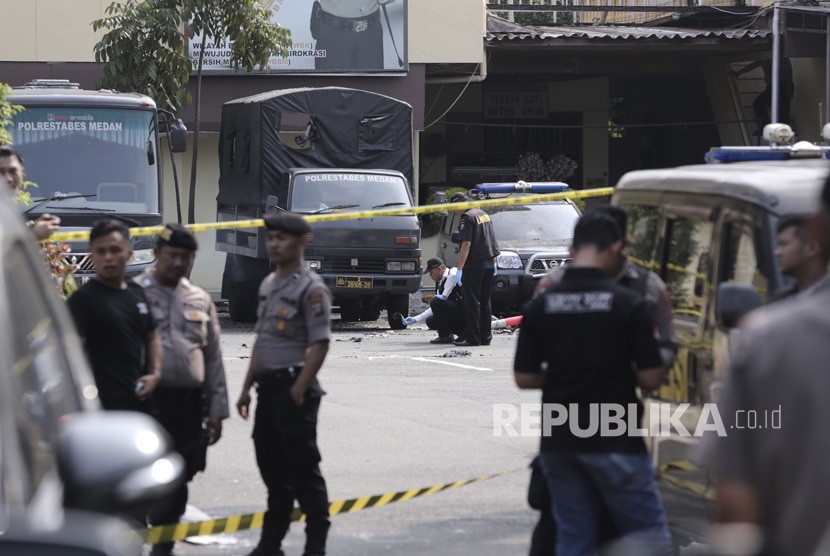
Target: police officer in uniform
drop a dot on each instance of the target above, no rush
(351, 33)
(293, 330)
(557, 352)
(475, 271)
(647, 284)
(191, 399)
(445, 313)
(644, 282)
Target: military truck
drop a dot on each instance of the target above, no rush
(321, 151)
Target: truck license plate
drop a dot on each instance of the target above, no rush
(354, 282)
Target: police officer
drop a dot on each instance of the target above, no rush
(191, 399)
(475, 271)
(350, 33)
(293, 330)
(557, 352)
(445, 313)
(644, 282)
(647, 284)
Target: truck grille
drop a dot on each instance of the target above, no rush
(345, 265)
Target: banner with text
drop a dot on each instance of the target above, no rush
(327, 36)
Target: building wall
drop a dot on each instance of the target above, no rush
(207, 271)
(588, 96)
(61, 30)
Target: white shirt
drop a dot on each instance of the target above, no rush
(449, 284)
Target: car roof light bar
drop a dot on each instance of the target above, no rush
(522, 187)
(720, 155)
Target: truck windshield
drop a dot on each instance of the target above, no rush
(103, 158)
(539, 222)
(318, 192)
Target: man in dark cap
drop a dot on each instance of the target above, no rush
(770, 456)
(191, 399)
(293, 330)
(476, 267)
(445, 313)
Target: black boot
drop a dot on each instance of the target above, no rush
(270, 542)
(316, 533)
(162, 549)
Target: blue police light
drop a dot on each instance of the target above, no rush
(522, 187)
(722, 155)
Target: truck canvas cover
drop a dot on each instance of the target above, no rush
(262, 136)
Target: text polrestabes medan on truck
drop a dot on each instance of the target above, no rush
(350, 177)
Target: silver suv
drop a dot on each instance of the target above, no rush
(67, 469)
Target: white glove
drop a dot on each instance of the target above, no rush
(438, 296)
(409, 320)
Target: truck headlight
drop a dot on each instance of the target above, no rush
(314, 265)
(508, 259)
(400, 266)
(142, 256)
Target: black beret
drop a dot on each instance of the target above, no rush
(176, 235)
(287, 222)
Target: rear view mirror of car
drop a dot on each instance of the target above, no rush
(116, 461)
(734, 301)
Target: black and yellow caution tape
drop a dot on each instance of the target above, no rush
(684, 484)
(258, 222)
(234, 523)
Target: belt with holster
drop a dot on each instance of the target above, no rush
(348, 24)
(277, 376)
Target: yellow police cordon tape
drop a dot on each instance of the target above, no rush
(258, 222)
(234, 523)
(695, 488)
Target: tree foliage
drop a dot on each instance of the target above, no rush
(7, 111)
(145, 49)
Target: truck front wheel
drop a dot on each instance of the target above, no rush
(242, 302)
(397, 304)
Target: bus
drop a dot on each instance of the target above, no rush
(93, 155)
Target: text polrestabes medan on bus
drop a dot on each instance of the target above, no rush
(350, 177)
(70, 126)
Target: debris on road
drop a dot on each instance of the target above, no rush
(457, 353)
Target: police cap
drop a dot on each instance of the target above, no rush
(287, 222)
(459, 197)
(434, 262)
(176, 235)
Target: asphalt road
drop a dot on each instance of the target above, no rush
(398, 414)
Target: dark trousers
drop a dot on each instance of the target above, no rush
(448, 315)
(180, 412)
(285, 439)
(476, 285)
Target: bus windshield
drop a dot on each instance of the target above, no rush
(100, 158)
